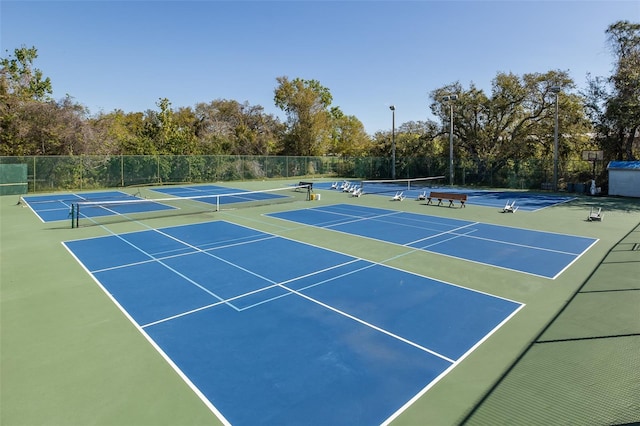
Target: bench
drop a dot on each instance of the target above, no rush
(451, 196)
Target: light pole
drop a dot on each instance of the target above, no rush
(450, 99)
(555, 90)
(393, 141)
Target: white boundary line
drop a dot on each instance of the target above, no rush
(168, 359)
(331, 228)
(451, 367)
(298, 293)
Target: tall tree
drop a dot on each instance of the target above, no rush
(613, 102)
(23, 92)
(348, 137)
(624, 40)
(516, 122)
(230, 127)
(306, 104)
(18, 77)
(31, 121)
(167, 134)
(119, 133)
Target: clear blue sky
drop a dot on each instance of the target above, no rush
(369, 54)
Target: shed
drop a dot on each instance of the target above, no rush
(624, 178)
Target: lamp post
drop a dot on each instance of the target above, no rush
(555, 90)
(393, 141)
(450, 99)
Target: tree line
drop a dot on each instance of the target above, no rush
(514, 121)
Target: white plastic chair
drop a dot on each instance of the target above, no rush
(510, 208)
(398, 197)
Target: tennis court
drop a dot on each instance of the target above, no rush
(533, 252)
(273, 331)
(95, 205)
(300, 310)
(57, 207)
(413, 188)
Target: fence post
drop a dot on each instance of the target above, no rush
(34, 174)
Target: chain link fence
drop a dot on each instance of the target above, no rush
(54, 173)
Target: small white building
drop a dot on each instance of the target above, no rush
(624, 178)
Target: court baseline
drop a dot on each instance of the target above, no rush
(56, 207)
(537, 253)
(184, 288)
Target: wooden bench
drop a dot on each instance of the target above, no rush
(451, 196)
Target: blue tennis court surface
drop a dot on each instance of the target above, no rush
(534, 252)
(232, 195)
(195, 190)
(57, 207)
(526, 201)
(276, 332)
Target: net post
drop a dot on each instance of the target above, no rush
(74, 215)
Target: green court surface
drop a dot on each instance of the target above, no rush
(571, 356)
(584, 368)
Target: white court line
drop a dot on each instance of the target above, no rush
(296, 292)
(196, 249)
(259, 290)
(68, 209)
(365, 323)
(369, 265)
(578, 255)
(453, 237)
(289, 290)
(468, 234)
(208, 306)
(525, 245)
(453, 231)
(416, 249)
(451, 367)
(555, 204)
(379, 218)
(354, 218)
(154, 344)
(155, 257)
(209, 404)
(493, 240)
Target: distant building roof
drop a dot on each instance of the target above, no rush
(624, 165)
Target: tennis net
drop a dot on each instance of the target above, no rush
(130, 209)
(393, 185)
